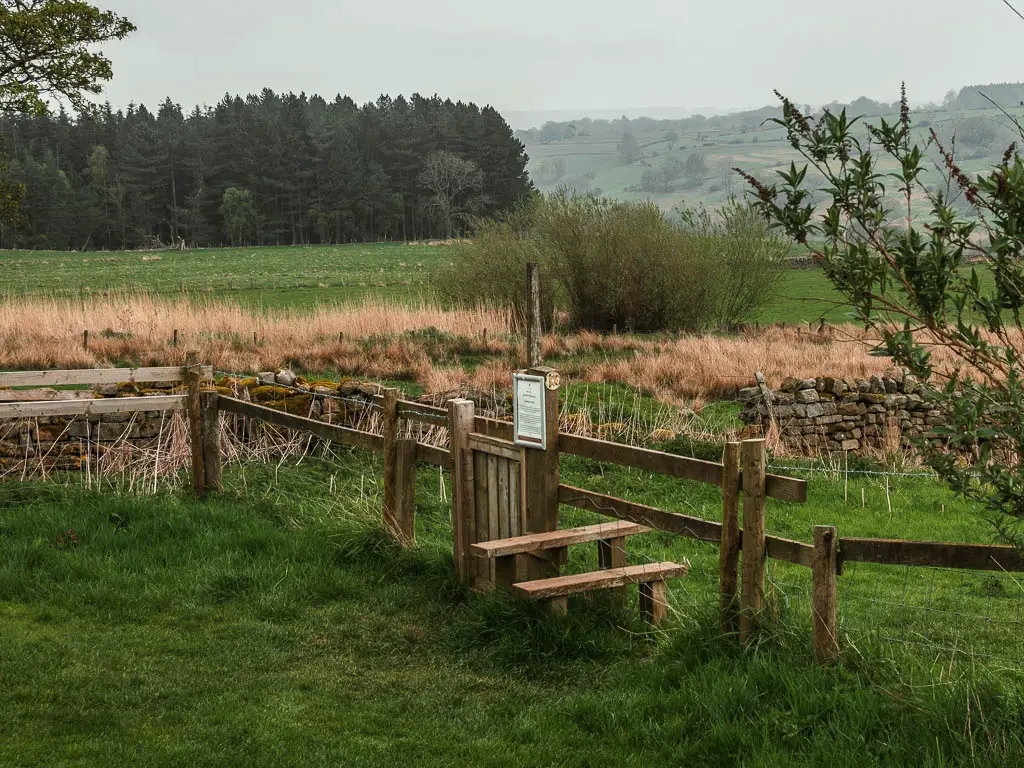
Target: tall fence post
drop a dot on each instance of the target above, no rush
(541, 479)
(194, 382)
(533, 320)
(823, 598)
(752, 457)
(461, 415)
(729, 553)
(209, 430)
(405, 492)
(390, 416)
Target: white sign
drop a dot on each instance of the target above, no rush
(529, 411)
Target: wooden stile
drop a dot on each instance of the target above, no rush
(752, 458)
(823, 597)
(729, 554)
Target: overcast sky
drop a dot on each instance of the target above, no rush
(565, 55)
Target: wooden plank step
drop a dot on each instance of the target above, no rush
(536, 542)
(606, 579)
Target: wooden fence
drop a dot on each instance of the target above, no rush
(501, 490)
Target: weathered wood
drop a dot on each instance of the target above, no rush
(659, 519)
(329, 432)
(495, 447)
(148, 404)
(752, 458)
(502, 430)
(729, 554)
(390, 434)
(589, 582)
(98, 376)
(796, 552)
(493, 492)
(535, 542)
(611, 552)
(823, 597)
(423, 414)
(653, 602)
(481, 530)
(193, 380)
(403, 521)
(785, 489)
(430, 454)
(504, 512)
(209, 427)
(979, 557)
(460, 427)
(533, 317)
(542, 477)
(684, 467)
(558, 606)
(44, 395)
(515, 502)
(642, 458)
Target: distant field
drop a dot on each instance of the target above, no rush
(592, 163)
(282, 276)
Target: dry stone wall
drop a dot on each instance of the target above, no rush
(831, 415)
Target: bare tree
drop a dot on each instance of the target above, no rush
(455, 182)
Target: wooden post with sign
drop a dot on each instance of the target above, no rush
(537, 399)
(533, 324)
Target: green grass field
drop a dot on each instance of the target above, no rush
(299, 278)
(273, 276)
(276, 626)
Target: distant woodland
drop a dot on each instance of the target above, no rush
(267, 169)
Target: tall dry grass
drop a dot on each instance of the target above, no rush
(38, 333)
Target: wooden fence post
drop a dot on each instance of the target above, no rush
(752, 457)
(823, 599)
(405, 492)
(533, 325)
(194, 382)
(209, 424)
(541, 480)
(390, 416)
(729, 553)
(461, 415)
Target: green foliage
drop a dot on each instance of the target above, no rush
(918, 281)
(621, 264)
(239, 212)
(47, 52)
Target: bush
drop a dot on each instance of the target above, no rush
(621, 264)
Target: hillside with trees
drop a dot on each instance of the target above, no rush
(266, 169)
